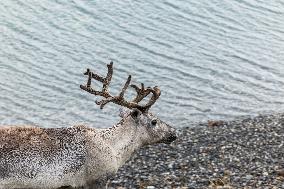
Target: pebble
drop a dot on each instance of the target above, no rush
(249, 177)
(150, 187)
(244, 153)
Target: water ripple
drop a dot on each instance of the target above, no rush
(212, 60)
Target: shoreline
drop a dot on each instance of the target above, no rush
(242, 153)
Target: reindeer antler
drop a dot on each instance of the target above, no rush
(141, 92)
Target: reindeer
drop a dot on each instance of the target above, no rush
(81, 156)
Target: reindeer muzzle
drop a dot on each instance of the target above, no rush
(170, 138)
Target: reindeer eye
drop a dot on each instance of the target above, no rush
(154, 122)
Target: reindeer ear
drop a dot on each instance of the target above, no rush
(123, 112)
(135, 113)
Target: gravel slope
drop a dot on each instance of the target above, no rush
(244, 153)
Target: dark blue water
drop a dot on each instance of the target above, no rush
(212, 59)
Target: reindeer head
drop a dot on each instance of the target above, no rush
(151, 129)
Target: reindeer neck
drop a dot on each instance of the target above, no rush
(124, 139)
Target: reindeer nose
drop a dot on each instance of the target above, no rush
(172, 137)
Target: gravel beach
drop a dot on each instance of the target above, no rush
(244, 153)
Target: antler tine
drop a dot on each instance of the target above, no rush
(156, 94)
(105, 81)
(141, 92)
(116, 99)
(108, 77)
(125, 87)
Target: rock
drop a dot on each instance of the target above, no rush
(239, 153)
(249, 177)
(215, 123)
(150, 187)
(280, 173)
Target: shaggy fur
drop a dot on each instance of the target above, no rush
(79, 156)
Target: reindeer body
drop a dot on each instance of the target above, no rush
(32, 157)
(80, 156)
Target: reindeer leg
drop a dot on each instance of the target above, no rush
(66, 187)
(97, 184)
(101, 183)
